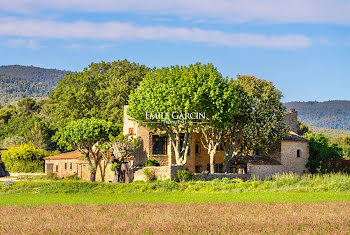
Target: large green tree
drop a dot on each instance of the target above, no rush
(100, 91)
(179, 90)
(258, 123)
(221, 105)
(84, 134)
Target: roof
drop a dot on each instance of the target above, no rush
(292, 136)
(257, 160)
(70, 155)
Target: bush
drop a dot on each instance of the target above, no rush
(24, 158)
(150, 175)
(337, 165)
(152, 162)
(73, 177)
(183, 176)
(321, 150)
(52, 176)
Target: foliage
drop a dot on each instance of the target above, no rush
(149, 174)
(17, 82)
(83, 135)
(335, 182)
(183, 176)
(100, 91)
(338, 165)
(73, 177)
(12, 141)
(24, 158)
(302, 128)
(152, 162)
(171, 90)
(330, 132)
(330, 114)
(321, 150)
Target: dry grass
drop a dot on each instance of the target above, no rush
(151, 218)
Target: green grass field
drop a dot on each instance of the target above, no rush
(33, 199)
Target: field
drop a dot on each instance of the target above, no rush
(284, 204)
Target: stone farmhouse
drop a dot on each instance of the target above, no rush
(290, 155)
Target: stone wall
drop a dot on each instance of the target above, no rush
(263, 171)
(161, 172)
(289, 158)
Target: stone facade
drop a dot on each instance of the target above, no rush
(294, 156)
(291, 153)
(72, 163)
(263, 171)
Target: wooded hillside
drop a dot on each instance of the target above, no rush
(17, 82)
(330, 114)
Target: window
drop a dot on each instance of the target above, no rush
(298, 153)
(159, 145)
(131, 131)
(71, 166)
(197, 148)
(220, 148)
(198, 169)
(65, 165)
(219, 168)
(56, 168)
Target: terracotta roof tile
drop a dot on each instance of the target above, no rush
(69, 155)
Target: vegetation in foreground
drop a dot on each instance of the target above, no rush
(222, 218)
(282, 183)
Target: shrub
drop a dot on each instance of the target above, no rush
(152, 162)
(183, 176)
(24, 158)
(52, 176)
(73, 177)
(337, 165)
(150, 175)
(321, 150)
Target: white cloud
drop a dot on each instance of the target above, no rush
(237, 11)
(22, 43)
(126, 31)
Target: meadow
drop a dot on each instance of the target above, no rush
(282, 204)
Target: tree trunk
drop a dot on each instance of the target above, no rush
(93, 175)
(116, 176)
(212, 161)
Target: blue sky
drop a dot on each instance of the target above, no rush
(303, 46)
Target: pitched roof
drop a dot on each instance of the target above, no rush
(257, 160)
(292, 136)
(70, 155)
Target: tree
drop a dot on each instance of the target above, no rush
(12, 141)
(175, 90)
(24, 158)
(28, 105)
(258, 123)
(7, 112)
(221, 105)
(83, 134)
(37, 136)
(122, 148)
(320, 150)
(302, 128)
(100, 91)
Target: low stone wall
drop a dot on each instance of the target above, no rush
(263, 171)
(161, 172)
(211, 176)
